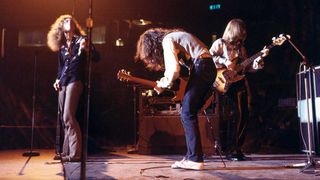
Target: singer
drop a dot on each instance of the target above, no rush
(68, 38)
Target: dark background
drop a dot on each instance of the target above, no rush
(111, 116)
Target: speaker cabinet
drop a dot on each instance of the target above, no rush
(316, 93)
(165, 135)
(308, 104)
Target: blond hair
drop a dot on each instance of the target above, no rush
(55, 36)
(235, 31)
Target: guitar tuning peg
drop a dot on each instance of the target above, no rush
(288, 36)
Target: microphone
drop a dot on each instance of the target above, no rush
(2, 42)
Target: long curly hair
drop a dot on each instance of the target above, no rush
(149, 48)
(55, 36)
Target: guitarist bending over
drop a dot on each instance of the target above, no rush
(161, 49)
(229, 54)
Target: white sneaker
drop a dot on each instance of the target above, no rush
(186, 164)
(177, 164)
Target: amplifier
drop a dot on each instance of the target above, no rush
(165, 135)
(309, 108)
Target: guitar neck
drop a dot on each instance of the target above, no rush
(143, 81)
(250, 60)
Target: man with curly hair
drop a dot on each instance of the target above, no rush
(68, 39)
(167, 50)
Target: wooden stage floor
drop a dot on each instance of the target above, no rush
(121, 165)
(15, 166)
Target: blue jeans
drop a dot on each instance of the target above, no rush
(200, 82)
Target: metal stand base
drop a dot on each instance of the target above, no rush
(31, 153)
(132, 149)
(311, 167)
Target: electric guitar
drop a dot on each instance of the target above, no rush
(225, 77)
(124, 75)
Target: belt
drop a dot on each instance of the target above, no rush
(204, 56)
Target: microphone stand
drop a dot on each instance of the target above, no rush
(311, 163)
(84, 154)
(31, 152)
(217, 147)
(134, 148)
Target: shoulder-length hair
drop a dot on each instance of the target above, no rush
(55, 36)
(235, 31)
(149, 48)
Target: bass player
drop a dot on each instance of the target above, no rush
(228, 52)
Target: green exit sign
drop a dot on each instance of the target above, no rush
(213, 7)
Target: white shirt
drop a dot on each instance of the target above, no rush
(173, 44)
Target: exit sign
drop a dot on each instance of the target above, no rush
(214, 7)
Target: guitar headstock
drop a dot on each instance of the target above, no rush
(278, 41)
(124, 75)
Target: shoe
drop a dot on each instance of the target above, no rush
(187, 164)
(58, 156)
(70, 159)
(239, 156)
(177, 164)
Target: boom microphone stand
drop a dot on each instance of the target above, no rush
(311, 163)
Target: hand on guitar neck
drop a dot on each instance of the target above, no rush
(258, 63)
(225, 77)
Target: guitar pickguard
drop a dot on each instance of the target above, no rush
(225, 78)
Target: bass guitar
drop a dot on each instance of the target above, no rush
(225, 77)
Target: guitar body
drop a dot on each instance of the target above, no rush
(123, 75)
(225, 78)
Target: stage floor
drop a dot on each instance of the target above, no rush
(15, 166)
(122, 165)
